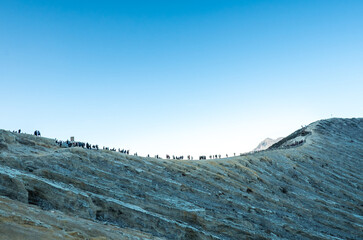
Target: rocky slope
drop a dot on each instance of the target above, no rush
(266, 143)
(307, 186)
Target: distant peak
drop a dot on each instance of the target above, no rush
(266, 143)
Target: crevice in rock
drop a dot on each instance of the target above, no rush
(100, 216)
(35, 197)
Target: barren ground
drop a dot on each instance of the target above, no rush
(307, 186)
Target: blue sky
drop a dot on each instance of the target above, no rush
(178, 77)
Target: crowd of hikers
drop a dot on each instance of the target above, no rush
(69, 143)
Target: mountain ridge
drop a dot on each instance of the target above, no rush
(308, 185)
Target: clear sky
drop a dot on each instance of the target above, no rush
(178, 77)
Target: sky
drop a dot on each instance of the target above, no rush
(178, 77)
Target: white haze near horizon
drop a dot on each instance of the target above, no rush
(235, 137)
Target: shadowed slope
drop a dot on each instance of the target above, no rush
(308, 185)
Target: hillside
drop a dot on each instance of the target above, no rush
(306, 186)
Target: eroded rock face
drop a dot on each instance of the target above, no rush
(22, 221)
(312, 189)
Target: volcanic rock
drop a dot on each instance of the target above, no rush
(306, 186)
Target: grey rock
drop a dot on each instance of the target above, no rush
(306, 186)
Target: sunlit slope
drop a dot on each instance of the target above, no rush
(309, 185)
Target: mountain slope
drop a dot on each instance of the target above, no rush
(266, 143)
(308, 185)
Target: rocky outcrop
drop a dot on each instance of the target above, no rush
(309, 185)
(19, 221)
